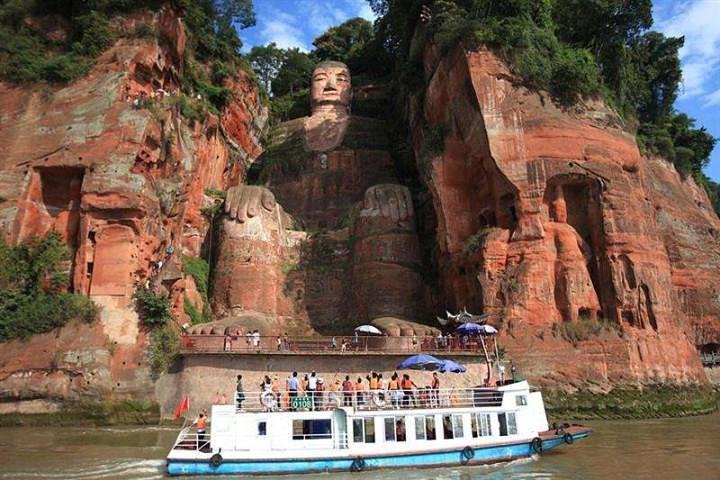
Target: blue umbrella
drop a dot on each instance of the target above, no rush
(420, 362)
(448, 365)
(476, 329)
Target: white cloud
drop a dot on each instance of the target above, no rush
(699, 22)
(712, 98)
(366, 12)
(281, 27)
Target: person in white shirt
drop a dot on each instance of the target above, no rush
(312, 388)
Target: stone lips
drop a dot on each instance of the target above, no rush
(551, 218)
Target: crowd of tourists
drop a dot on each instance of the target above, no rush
(311, 392)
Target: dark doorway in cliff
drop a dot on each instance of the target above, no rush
(646, 304)
(60, 191)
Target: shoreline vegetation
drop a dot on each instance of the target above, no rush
(658, 401)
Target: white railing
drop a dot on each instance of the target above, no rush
(274, 401)
(188, 440)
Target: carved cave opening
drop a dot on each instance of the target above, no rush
(576, 200)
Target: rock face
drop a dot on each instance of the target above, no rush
(600, 267)
(330, 173)
(121, 183)
(552, 221)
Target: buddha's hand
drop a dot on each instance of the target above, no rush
(390, 201)
(244, 202)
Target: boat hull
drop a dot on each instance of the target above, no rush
(480, 455)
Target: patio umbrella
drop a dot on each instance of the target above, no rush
(368, 329)
(448, 365)
(476, 329)
(420, 362)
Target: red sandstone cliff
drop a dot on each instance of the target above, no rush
(551, 218)
(121, 184)
(545, 217)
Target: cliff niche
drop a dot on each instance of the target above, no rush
(550, 219)
(598, 265)
(113, 162)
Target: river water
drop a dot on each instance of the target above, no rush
(684, 448)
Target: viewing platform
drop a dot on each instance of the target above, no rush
(362, 345)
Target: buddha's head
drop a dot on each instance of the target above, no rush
(330, 86)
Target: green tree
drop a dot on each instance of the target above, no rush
(266, 61)
(345, 42)
(33, 288)
(294, 75)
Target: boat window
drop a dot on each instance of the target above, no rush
(511, 424)
(480, 425)
(400, 429)
(395, 429)
(363, 430)
(262, 428)
(508, 426)
(420, 428)
(358, 430)
(452, 426)
(457, 423)
(316, 429)
(369, 430)
(520, 400)
(430, 427)
(389, 429)
(447, 426)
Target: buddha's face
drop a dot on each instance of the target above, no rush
(330, 86)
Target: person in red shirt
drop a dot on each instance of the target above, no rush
(347, 388)
(407, 386)
(435, 390)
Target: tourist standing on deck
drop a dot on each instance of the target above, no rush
(435, 390)
(200, 425)
(407, 389)
(312, 388)
(292, 386)
(395, 392)
(320, 395)
(360, 396)
(239, 393)
(347, 387)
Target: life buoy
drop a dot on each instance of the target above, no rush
(268, 400)
(358, 465)
(216, 460)
(568, 438)
(536, 445)
(467, 454)
(378, 400)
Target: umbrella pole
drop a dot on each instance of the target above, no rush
(487, 359)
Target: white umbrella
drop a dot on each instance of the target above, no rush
(487, 330)
(368, 329)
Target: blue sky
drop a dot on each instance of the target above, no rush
(295, 23)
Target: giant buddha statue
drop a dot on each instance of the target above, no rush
(326, 238)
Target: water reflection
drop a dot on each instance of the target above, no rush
(652, 449)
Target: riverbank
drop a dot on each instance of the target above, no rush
(88, 414)
(659, 401)
(656, 401)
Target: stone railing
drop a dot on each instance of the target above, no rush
(219, 343)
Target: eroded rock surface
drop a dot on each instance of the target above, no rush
(551, 220)
(122, 183)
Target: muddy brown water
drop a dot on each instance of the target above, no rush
(683, 448)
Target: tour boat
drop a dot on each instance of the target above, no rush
(335, 431)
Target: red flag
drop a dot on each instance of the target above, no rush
(182, 407)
